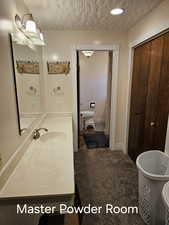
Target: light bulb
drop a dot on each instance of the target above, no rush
(41, 37)
(88, 53)
(117, 11)
(31, 26)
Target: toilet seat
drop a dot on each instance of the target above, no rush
(90, 122)
(87, 118)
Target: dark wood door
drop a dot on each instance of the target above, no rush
(149, 97)
(162, 111)
(151, 107)
(138, 99)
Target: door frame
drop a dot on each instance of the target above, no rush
(115, 65)
(132, 46)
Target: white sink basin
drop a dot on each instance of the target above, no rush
(54, 136)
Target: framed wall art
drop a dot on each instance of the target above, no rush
(29, 67)
(58, 67)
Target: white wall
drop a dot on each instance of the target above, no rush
(29, 101)
(93, 82)
(59, 47)
(155, 22)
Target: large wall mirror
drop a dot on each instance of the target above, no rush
(27, 65)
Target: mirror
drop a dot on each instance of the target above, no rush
(27, 65)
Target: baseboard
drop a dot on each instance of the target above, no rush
(119, 147)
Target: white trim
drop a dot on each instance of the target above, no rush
(97, 47)
(119, 147)
(115, 49)
(130, 73)
(127, 119)
(150, 35)
(113, 118)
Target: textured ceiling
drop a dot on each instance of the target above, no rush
(88, 14)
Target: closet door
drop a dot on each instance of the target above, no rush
(149, 97)
(141, 69)
(162, 111)
(151, 107)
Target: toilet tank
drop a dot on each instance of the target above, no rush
(87, 114)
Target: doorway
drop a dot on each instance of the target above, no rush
(149, 97)
(75, 80)
(94, 81)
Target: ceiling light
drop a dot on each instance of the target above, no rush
(88, 53)
(117, 11)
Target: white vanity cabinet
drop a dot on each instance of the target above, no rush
(43, 176)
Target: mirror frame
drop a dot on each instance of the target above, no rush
(15, 85)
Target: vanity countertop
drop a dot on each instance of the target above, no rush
(47, 167)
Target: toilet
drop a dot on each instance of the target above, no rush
(87, 119)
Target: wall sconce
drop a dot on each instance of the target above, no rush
(88, 53)
(29, 29)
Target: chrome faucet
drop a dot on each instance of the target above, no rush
(36, 133)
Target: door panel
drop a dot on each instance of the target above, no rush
(140, 78)
(152, 92)
(136, 136)
(138, 99)
(163, 99)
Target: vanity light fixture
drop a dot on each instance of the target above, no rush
(29, 29)
(88, 53)
(117, 11)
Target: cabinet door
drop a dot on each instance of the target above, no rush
(139, 89)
